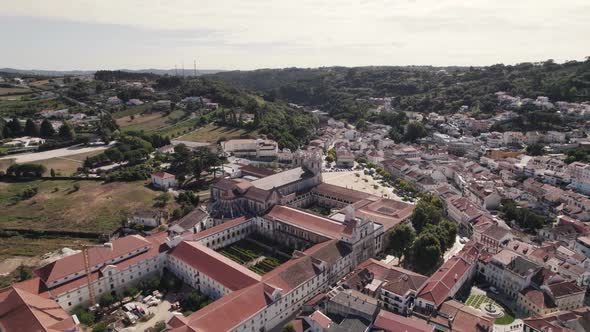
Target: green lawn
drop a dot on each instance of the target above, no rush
(212, 134)
(476, 300)
(95, 207)
(152, 122)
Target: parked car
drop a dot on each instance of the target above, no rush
(494, 290)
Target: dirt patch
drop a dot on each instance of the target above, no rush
(8, 265)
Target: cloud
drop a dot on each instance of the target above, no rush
(248, 34)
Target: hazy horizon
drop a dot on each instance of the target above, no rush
(233, 35)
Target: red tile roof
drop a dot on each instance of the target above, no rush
(301, 219)
(218, 267)
(391, 322)
(162, 175)
(438, 287)
(219, 228)
(229, 311)
(97, 256)
(23, 311)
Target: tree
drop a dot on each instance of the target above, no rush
(66, 132)
(34, 170)
(160, 326)
(361, 125)
(414, 130)
(400, 240)
(100, 327)
(52, 172)
(192, 301)
(106, 299)
(15, 128)
(448, 233)
(24, 273)
(46, 130)
(288, 328)
(535, 150)
(114, 155)
(425, 213)
(84, 316)
(187, 198)
(31, 129)
(426, 252)
(162, 199)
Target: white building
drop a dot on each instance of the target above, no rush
(163, 180)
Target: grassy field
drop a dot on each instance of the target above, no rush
(13, 91)
(131, 110)
(63, 166)
(476, 300)
(179, 128)
(95, 207)
(212, 134)
(24, 107)
(31, 247)
(150, 122)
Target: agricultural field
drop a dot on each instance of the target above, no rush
(213, 133)
(131, 110)
(150, 122)
(26, 107)
(13, 91)
(253, 256)
(67, 205)
(63, 166)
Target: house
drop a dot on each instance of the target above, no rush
(389, 322)
(163, 180)
(344, 158)
(394, 287)
(251, 148)
(22, 309)
(166, 149)
(455, 316)
(446, 281)
(195, 221)
(134, 102)
(152, 218)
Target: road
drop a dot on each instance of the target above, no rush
(457, 246)
(64, 152)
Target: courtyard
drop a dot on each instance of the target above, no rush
(254, 256)
(479, 297)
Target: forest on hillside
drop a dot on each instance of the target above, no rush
(415, 88)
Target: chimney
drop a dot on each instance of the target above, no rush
(108, 245)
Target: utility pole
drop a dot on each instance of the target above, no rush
(195, 66)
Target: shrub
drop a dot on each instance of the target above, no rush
(100, 327)
(160, 326)
(84, 316)
(106, 300)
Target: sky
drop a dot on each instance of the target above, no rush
(251, 34)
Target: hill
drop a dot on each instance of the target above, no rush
(415, 88)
